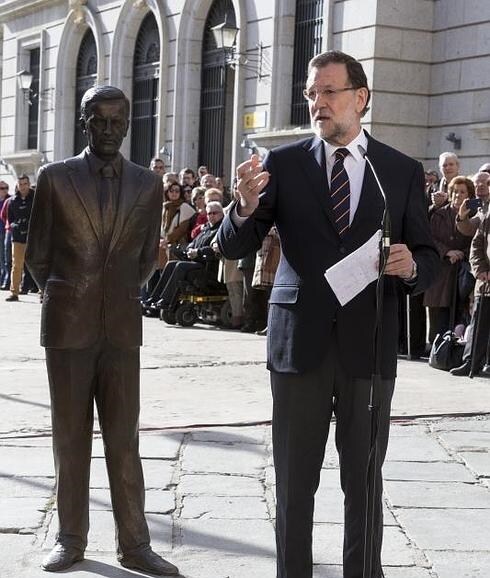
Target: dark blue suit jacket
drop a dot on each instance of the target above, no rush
(304, 313)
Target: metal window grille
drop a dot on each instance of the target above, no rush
(85, 79)
(34, 62)
(214, 81)
(307, 43)
(146, 74)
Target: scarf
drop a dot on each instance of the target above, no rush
(170, 209)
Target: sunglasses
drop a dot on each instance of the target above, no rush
(4, 188)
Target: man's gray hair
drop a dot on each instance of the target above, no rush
(447, 155)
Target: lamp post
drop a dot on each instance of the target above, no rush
(225, 36)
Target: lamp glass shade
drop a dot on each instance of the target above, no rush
(25, 80)
(225, 35)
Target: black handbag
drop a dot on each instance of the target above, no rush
(446, 352)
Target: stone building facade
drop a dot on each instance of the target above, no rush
(427, 62)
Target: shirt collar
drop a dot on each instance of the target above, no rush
(361, 139)
(96, 163)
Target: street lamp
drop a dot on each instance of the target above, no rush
(254, 60)
(25, 82)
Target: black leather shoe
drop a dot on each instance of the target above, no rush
(161, 304)
(462, 369)
(485, 371)
(12, 298)
(150, 562)
(60, 558)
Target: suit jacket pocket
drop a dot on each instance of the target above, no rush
(284, 294)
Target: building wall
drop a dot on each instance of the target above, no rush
(426, 60)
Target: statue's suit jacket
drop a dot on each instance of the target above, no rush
(91, 290)
(303, 308)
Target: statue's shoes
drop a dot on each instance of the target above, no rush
(61, 557)
(150, 562)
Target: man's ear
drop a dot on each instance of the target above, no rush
(83, 125)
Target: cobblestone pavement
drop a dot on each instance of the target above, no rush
(210, 490)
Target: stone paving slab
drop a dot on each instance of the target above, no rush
(21, 514)
(219, 485)
(23, 461)
(462, 441)
(477, 462)
(437, 495)
(245, 538)
(233, 435)
(461, 564)
(156, 501)
(447, 529)
(427, 472)
(224, 458)
(16, 555)
(158, 473)
(212, 507)
(161, 445)
(416, 448)
(477, 423)
(19, 487)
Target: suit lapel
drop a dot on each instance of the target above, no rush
(315, 165)
(78, 170)
(131, 185)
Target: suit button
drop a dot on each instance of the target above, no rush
(342, 250)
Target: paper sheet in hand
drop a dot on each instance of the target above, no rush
(350, 276)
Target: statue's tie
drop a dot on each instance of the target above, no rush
(107, 202)
(340, 192)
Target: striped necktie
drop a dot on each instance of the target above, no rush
(340, 192)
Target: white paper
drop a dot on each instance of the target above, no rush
(349, 277)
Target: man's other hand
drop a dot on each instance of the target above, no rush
(252, 179)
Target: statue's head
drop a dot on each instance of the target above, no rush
(105, 119)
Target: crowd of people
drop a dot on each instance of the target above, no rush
(195, 204)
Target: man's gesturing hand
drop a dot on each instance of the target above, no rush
(251, 181)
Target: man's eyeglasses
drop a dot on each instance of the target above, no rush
(214, 213)
(329, 93)
(4, 188)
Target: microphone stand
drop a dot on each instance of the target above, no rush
(376, 383)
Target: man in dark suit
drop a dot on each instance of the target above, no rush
(92, 244)
(325, 203)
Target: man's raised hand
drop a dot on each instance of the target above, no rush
(252, 179)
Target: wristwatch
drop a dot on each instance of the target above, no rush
(414, 273)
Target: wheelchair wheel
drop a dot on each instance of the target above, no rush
(225, 314)
(168, 316)
(186, 315)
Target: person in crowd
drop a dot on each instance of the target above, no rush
(431, 184)
(92, 244)
(266, 263)
(200, 254)
(187, 177)
(208, 181)
(213, 194)
(201, 171)
(453, 250)
(157, 166)
(449, 168)
(485, 168)
(4, 261)
(169, 178)
(18, 216)
(478, 334)
(199, 218)
(187, 190)
(467, 221)
(321, 354)
(175, 218)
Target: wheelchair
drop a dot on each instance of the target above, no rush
(203, 299)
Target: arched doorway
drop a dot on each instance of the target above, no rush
(217, 86)
(86, 78)
(146, 74)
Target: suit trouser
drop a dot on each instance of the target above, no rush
(478, 339)
(110, 376)
(18, 257)
(302, 410)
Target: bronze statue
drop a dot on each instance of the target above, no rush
(93, 242)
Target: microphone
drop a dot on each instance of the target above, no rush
(386, 221)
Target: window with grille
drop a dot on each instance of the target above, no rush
(86, 77)
(33, 123)
(146, 74)
(308, 30)
(216, 94)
